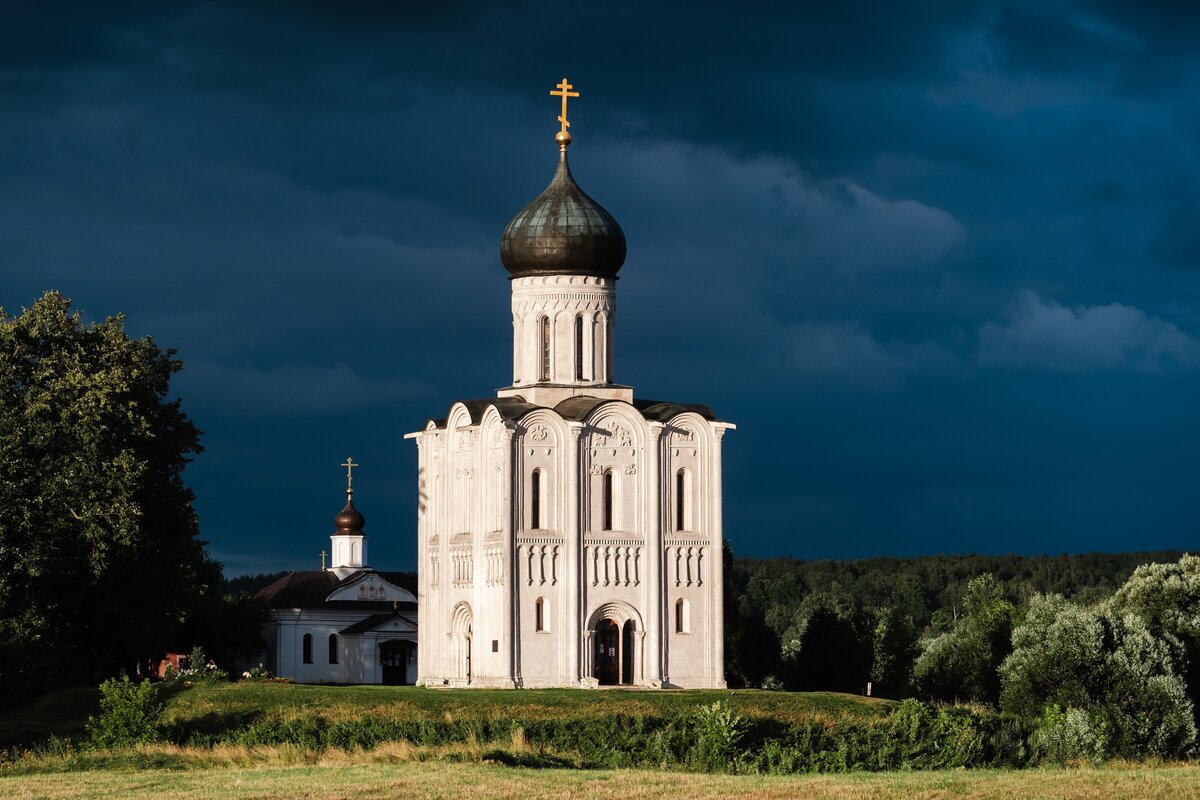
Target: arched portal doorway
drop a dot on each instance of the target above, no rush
(615, 645)
(460, 644)
(608, 661)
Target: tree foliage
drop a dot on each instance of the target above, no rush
(963, 663)
(885, 611)
(97, 530)
(1100, 676)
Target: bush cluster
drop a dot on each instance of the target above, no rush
(130, 714)
(712, 738)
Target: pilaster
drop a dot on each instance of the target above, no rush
(573, 557)
(655, 595)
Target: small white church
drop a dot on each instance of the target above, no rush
(569, 533)
(346, 623)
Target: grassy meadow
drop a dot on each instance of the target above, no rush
(205, 755)
(221, 707)
(334, 778)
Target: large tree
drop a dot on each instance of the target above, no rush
(963, 663)
(1103, 684)
(98, 536)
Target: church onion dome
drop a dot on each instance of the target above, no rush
(350, 521)
(563, 232)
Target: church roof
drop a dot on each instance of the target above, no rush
(563, 232)
(371, 622)
(310, 588)
(577, 408)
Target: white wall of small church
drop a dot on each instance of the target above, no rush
(357, 656)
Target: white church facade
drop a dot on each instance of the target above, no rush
(569, 533)
(346, 623)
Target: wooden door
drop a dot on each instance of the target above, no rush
(394, 660)
(608, 637)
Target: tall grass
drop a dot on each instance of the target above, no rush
(710, 738)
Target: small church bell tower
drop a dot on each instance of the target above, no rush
(349, 543)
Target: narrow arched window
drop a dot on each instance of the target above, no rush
(608, 500)
(308, 648)
(535, 500)
(540, 614)
(545, 348)
(681, 500)
(682, 623)
(333, 650)
(579, 348)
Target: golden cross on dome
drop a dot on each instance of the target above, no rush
(323, 554)
(349, 465)
(564, 92)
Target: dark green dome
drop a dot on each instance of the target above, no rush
(563, 232)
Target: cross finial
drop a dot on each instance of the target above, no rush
(564, 91)
(349, 465)
(323, 554)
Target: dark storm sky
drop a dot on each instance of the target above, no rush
(938, 261)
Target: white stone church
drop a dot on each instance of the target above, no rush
(347, 623)
(569, 533)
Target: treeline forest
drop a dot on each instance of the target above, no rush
(1097, 654)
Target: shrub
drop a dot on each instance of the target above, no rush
(1101, 683)
(259, 673)
(130, 713)
(718, 729)
(1068, 736)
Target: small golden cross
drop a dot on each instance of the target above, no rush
(564, 92)
(323, 554)
(349, 465)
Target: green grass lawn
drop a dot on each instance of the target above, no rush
(485, 781)
(216, 707)
(249, 700)
(60, 713)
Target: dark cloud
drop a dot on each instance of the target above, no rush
(1042, 334)
(830, 211)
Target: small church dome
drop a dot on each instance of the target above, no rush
(563, 232)
(350, 520)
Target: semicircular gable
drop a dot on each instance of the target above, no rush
(458, 416)
(616, 424)
(542, 426)
(690, 429)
